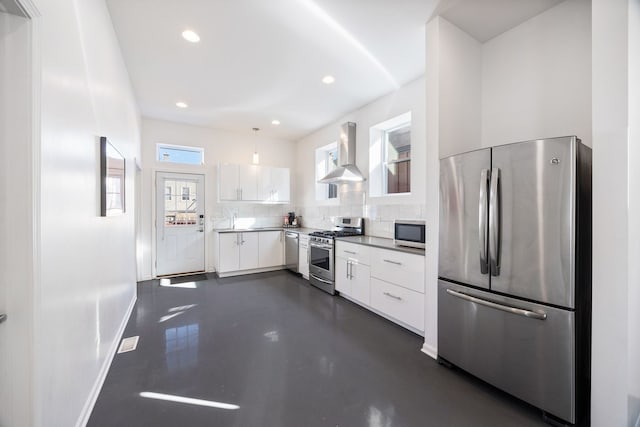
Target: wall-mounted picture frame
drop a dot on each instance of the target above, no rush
(112, 179)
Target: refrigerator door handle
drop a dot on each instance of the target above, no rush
(495, 223)
(483, 211)
(507, 308)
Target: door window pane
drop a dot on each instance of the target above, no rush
(180, 208)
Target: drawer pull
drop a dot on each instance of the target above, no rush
(392, 262)
(351, 252)
(392, 296)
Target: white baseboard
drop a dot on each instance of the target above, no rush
(429, 351)
(97, 386)
(252, 271)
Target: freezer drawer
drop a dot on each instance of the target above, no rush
(519, 352)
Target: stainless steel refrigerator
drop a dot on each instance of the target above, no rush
(514, 289)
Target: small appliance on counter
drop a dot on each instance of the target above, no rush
(292, 221)
(409, 232)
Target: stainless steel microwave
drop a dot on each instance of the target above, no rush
(409, 232)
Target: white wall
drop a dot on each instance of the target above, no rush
(353, 198)
(460, 90)
(610, 215)
(86, 265)
(536, 78)
(633, 300)
(616, 193)
(219, 146)
(16, 224)
(432, 187)
(453, 100)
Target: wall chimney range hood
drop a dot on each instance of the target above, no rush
(347, 171)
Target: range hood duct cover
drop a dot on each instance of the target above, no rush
(347, 171)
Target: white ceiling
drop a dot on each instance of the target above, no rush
(485, 19)
(260, 60)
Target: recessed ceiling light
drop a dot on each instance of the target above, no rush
(181, 104)
(190, 36)
(328, 79)
(275, 122)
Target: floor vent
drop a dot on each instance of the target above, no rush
(128, 344)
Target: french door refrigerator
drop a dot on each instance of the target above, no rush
(514, 288)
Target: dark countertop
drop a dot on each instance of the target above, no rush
(247, 230)
(381, 242)
(299, 230)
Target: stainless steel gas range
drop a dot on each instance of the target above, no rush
(321, 251)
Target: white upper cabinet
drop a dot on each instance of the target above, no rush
(273, 184)
(238, 182)
(280, 183)
(254, 183)
(248, 180)
(229, 184)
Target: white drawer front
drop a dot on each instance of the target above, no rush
(399, 268)
(400, 303)
(360, 253)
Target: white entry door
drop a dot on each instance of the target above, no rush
(180, 223)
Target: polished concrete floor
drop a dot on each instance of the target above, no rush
(280, 353)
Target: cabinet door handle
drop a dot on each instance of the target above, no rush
(350, 252)
(392, 262)
(393, 296)
(348, 264)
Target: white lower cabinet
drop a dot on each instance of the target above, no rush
(228, 252)
(360, 276)
(342, 282)
(303, 255)
(352, 271)
(243, 251)
(271, 248)
(400, 268)
(237, 251)
(386, 281)
(400, 303)
(248, 251)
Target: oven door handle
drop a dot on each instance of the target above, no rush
(321, 280)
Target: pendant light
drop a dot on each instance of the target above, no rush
(256, 156)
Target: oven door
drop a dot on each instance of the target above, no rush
(321, 260)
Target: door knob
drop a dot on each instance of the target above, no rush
(3, 317)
